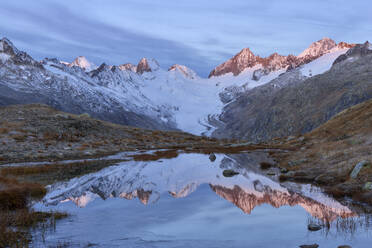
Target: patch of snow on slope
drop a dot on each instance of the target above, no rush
(3, 56)
(55, 70)
(322, 64)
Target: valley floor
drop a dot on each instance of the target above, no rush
(37, 133)
(325, 156)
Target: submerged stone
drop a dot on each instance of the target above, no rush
(309, 246)
(314, 227)
(229, 173)
(212, 157)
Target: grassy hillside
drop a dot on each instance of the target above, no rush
(37, 132)
(328, 154)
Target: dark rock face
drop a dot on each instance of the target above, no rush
(17, 57)
(359, 50)
(8, 47)
(246, 59)
(143, 66)
(301, 105)
(103, 67)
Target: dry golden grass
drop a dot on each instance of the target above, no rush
(15, 195)
(167, 154)
(16, 217)
(332, 150)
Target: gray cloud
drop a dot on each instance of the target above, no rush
(196, 33)
(61, 33)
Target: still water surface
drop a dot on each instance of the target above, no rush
(187, 202)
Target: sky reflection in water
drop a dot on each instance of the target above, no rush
(186, 202)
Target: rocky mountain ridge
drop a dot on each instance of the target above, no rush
(303, 103)
(72, 89)
(145, 95)
(246, 59)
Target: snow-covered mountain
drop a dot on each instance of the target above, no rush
(301, 99)
(146, 95)
(245, 59)
(83, 63)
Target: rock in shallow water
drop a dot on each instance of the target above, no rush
(309, 246)
(314, 227)
(229, 173)
(212, 157)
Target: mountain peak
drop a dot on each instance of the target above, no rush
(6, 46)
(318, 48)
(128, 67)
(83, 63)
(244, 59)
(187, 72)
(147, 65)
(344, 45)
(103, 67)
(245, 52)
(9, 52)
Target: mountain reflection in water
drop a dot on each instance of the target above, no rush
(181, 176)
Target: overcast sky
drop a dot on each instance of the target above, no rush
(197, 33)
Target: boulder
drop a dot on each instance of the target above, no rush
(212, 157)
(309, 246)
(229, 173)
(314, 227)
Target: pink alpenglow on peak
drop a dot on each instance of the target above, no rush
(83, 63)
(128, 67)
(147, 65)
(319, 47)
(246, 59)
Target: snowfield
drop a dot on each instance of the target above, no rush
(194, 101)
(321, 64)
